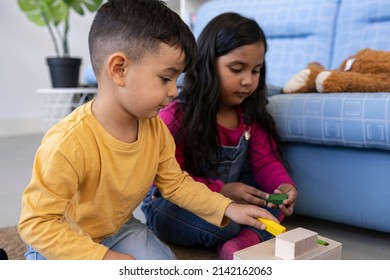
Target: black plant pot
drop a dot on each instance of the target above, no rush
(64, 71)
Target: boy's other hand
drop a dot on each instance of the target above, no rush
(112, 255)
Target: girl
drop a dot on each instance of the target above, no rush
(225, 138)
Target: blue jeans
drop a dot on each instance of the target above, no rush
(180, 227)
(133, 238)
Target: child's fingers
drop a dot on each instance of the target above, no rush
(267, 215)
(287, 211)
(257, 212)
(255, 196)
(248, 214)
(258, 224)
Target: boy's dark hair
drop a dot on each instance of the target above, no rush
(136, 27)
(3, 254)
(201, 90)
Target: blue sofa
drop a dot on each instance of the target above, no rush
(337, 144)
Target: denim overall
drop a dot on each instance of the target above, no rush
(181, 227)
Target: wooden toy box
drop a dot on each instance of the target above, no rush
(296, 244)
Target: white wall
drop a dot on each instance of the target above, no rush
(24, 47)
(23, 69)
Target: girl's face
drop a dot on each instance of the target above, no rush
(239, 73)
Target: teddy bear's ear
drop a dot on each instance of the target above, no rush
(304, 81)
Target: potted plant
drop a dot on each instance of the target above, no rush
(54, 14)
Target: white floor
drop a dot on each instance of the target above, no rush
(16, 159)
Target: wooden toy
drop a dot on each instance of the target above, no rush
(272, 227)
(276, 198)
(295, 244)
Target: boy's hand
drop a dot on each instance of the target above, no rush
(246, 214)
(242, 193)
(112, 255)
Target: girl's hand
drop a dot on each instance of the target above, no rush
(246, 214)
(244, 194)
(287, 208)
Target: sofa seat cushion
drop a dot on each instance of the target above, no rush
(341, 119)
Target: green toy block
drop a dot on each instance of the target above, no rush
(276, 198)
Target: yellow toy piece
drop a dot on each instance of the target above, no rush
(272, 227)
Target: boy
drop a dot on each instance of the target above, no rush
(94, 167)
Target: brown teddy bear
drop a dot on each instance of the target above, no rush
(366, 71)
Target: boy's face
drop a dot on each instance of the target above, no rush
(239, 73)
(150, 83)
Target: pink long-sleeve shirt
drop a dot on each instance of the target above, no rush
(269, 172)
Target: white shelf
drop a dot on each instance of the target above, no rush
(59, 102)
(185, 8)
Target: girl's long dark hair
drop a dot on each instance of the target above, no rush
(198, 134)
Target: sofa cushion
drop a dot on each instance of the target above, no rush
(340, 119)
(297, 31)
(361, 24)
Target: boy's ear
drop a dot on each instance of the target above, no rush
(116, 67)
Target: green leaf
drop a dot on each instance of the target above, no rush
(79, 5)
(59, 11)
(55, 14)
(92, 5)
(43, 12)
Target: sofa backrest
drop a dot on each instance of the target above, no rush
(297, 32)
(361, 24)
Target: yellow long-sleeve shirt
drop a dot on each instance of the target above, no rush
(86, 184)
